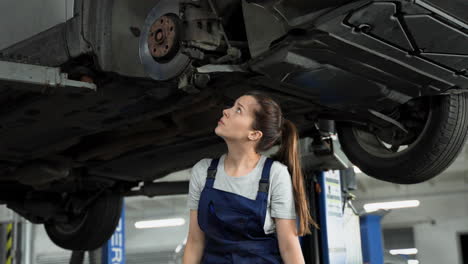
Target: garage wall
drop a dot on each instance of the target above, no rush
(439, 243)
(21, 19)
(157, 239)
(436, 224)
(6, 215)
(442, 214)
(433, 209)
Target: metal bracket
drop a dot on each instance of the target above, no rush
(454, 91)
(38, 78)
(389, 120)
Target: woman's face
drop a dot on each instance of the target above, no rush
(236, 122)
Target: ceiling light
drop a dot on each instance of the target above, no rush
(413, 261)
(357, 170)
(372, 207)
(405, 251)
(178, 248)
(160, 223)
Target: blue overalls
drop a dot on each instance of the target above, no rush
(233, 224)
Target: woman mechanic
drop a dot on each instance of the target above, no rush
(244, 206)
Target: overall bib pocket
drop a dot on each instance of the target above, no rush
(231, 220)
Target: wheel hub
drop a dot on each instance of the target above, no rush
(163, 40)
(159, 46)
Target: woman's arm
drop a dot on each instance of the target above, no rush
(288, 241)
(195, 241)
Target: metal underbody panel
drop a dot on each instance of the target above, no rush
(340, 57)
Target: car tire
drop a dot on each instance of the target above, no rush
(435, 149)
(90, 230)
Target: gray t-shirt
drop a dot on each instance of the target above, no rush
(280, 194)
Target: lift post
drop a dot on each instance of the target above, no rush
(371, 237)
(113, 252)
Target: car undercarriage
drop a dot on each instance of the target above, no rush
(161, 73)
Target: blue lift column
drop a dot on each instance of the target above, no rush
(371, 239)
(113, 252)
(331, 218)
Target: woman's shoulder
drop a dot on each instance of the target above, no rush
(198, 172)
(203, 164)
(278, 164)
(278, 170)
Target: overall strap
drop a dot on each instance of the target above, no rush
(211, 172)
(264, 183)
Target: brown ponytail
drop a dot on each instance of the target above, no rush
(288, 154)
(275, 128)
